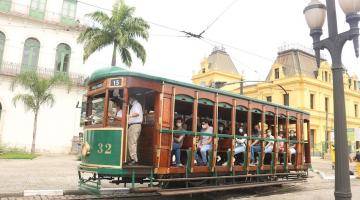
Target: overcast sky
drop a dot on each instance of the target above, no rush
(250, 31)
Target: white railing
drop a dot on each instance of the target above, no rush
(288, 46)
(13, 69)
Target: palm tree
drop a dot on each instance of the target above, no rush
(39, 93)
(121, 30)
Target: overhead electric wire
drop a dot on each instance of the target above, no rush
(218, 17)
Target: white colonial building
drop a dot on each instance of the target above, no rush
(41, 34)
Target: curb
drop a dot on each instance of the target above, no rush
(325, 177)
(28, 193)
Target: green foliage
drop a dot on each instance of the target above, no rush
(39, 89)
(121, 30)
(17, 155)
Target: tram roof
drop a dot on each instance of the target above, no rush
(114, 71)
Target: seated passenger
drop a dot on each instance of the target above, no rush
(255, 146)
(292, 145)
(240, 144)
(205, 143)
(177, 142)
(281, 145)
(118, 112)
(270, 144)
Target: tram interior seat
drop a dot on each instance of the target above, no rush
(187, 145)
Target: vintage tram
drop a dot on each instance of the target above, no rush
(104, 149)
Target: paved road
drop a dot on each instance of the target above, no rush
(60, 172)
(44, 172)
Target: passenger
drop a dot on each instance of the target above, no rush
(292, 145)
(255, 146)
(118, 112)
(205, 143)
(240, 144)
(177, 142)
(281, 145)
(135, 120)
(221, 128)
(270, 144)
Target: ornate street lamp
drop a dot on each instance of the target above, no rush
(315, 16)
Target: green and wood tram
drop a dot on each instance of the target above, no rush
(104, 149)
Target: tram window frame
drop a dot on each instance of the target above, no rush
(90, 120)
(142, 95)
(112, 122)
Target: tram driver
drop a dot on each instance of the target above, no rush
(205, 143)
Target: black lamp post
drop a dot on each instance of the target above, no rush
(315, 15)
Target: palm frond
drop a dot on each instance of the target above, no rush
(48, 99)
(125, 56)
(99, 16)
(138, 49)
(28, 100)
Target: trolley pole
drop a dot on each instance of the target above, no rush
(315, 15)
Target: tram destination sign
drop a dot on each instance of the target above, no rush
(116, 82)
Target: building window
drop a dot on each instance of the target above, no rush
(286, 99)
(312, 96)
(5, 5)
(68, 12)
(203, 70)
(356, 110)
(326, 104)
(62, 60)
(0, 111)
(355, 85)
(326, 76)
(37, 9)
(277, 74)
(268, 99)
(2, 46)
(31, 54)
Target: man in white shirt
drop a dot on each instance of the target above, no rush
(135, 120)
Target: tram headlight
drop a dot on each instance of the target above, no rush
(85, 149)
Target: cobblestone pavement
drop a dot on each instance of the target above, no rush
(44, 172)
(60, 172)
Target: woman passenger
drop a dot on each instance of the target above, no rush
(178, 141)
(205, 143)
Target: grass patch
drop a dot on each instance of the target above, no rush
(17, 155)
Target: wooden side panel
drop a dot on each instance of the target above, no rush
(166, 112)
(145, 145)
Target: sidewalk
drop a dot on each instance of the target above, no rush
(324, 169)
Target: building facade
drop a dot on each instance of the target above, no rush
(296, 81)
(309, 88)
(40, 35)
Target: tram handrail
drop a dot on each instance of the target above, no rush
(183, 132)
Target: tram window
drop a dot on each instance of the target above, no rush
(241, 119)
(224, 127)
(95, 112)
(115, 107)
(146, 98)
(184, 109)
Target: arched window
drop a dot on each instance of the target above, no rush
(31, 54)
(62, 61)
(2, 45)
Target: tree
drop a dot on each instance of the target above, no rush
(121, 30)
(39, 93)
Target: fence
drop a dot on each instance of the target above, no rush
(12, 69)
